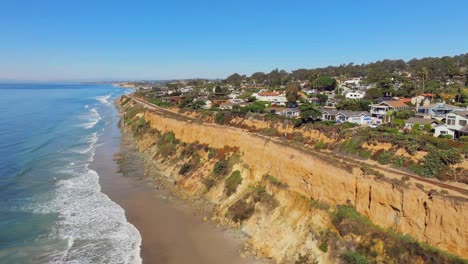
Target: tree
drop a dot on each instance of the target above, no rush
(309, 113)
(235, 79)
(256, 107)
(324, 83)
(323, 98)
(373, 93)
(301, 74)
(218, 90)
(354, 105)
(292, 93)
(259, 77)
(404, 114)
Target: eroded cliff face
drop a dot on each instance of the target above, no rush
(292, 228)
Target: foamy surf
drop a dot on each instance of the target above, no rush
(95, 227)
(91, 119)
(104, 99)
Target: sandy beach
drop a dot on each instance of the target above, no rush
(171, 231)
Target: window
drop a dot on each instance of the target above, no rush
(450, 120)
(462, 122)
(443, 132)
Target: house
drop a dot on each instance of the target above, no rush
(379, 111)
(353, 82)
(310, 91)
(331, 102)
(274, 97)
(438, 111)
(341, 116)
(423, 99)
(355, 95)
(236, 101)
(442, 130)
(313, 100)
(186, 89)
(329, 114)
(458, 123)
(207, 103)
(291, 112)
(422, 122)
(226, 106)
(357, 117)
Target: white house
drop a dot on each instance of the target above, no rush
(357, 117)
(186, 89)
(355, 95)
(273, 97)
(422, 100)
(443, 130)
(354, 82)
(457, 122)
(226, 106)
(208, 103)
(341, 116)
(291, 112)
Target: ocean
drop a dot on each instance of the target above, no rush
(52, 209)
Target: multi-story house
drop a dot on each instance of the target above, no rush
(438, 110)
(456, 125)
(379, 112)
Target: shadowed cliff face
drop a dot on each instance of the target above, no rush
(285, 230)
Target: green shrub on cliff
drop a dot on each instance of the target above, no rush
(132, 112)
(219, 118)
(221, 168)
(353, 257)
(437, 161)
(273, 180)
(232, 182)
(167, 144)
(185, 168)
(212, 153)
(359, 230)
(385, 157)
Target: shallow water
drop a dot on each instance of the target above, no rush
(52, 209)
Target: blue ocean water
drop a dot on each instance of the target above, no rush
(51, 206)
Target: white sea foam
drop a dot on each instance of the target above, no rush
(94, 227)
(86, 106)
(104, 99)
(91, 119)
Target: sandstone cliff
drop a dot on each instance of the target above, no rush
(297, 226)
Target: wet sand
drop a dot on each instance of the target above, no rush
(171, 231)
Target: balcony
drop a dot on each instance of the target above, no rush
(378, 112)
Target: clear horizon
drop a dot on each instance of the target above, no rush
(87, 41)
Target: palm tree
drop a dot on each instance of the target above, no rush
(424, 74)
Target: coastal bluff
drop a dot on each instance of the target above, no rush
(427, 215)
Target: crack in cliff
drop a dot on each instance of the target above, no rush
(427, 212)
(355, 191)
(370, 197)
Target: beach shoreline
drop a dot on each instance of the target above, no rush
(171, 231)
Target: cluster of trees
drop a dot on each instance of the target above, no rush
(385, 73)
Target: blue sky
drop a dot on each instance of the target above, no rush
(93, 40)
